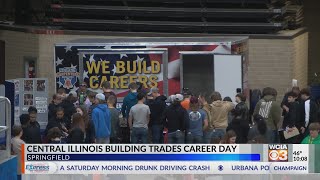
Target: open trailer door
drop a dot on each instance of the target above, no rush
(204, 72)
(228, 75)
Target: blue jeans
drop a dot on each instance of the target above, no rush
(176, 137)
(273, 136)
(157, 134)
(139, 134)
(194, 139)
(214, 134)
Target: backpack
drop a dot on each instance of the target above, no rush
(265, 108)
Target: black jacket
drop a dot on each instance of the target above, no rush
(69, 110)
(157, 108)
(175, 118)
(54, 122)
(312, 114)
(240, 122)
(90, 133)
(31, 133)
(241, 113)
(52, 109)
(293, 117)
(285, 102)
(76, 136)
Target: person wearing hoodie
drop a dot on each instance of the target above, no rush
(270, 110)
(219, 115)
(313, 137)
(101, 120)
(175, 118)
(157, 107)
(128, 101)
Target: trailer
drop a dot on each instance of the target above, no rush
(171, 64)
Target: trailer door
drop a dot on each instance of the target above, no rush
(228, 74)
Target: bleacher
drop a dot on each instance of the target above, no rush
(190, 16)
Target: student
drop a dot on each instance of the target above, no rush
(219, 114)
(107, 91)
(186, 102)
(82, 93)
(54, 136)
(229, 138)
(129, 101)
(94, 103)
(197, 122)
(56, 100)
(69, 108)
(309, 111)
(313, 137)
(204, 99)
(32, 133)
(16, 142)
(77, 131)
(270, 110)
(139, 117)
(101, 120)
(285, 103)
(240, 122)
(292, 117)
(114, 115)
(157, 107)
(58, 121)
(90, 135)
(175, 118)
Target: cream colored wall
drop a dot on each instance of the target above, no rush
(273, 62)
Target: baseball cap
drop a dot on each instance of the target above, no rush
(178, 97)
(153, 90)
(100, 96)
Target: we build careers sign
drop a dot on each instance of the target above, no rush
(121, 69)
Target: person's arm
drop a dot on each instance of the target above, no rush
(124, 108)
(148, 115)
(276, 113)
(164, 118)
(95, 120)
(257, 108)
(205, 120)
(230, 106)
(284, 103)
(130, 119)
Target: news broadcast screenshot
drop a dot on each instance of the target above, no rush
(159, 90)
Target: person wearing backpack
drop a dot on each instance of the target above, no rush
(270, 110)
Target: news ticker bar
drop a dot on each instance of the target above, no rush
(36, 159)
(163, 167)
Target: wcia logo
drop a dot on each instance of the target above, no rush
(38, 167)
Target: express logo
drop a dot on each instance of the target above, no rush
(278, 153)
(41, 167)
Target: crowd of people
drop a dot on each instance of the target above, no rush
(147, 116)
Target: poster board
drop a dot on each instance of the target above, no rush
(29, 92)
